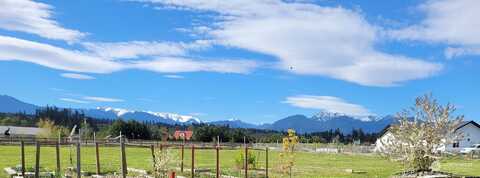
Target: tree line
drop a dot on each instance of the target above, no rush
(62, 120)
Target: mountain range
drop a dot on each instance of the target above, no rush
(322, 121)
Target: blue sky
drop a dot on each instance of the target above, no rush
(254, 60)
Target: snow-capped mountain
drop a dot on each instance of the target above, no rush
(322, 121)
(326, 116)
(235, 123)
(163, 117)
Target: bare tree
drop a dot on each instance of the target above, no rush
(422, 131)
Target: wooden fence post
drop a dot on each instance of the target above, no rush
(37, 160)
(218, 161)
(23, 157)
(57, 151)
(246, 161)
(124, 158)
(181, 164)
(79, 160)
(97, 156)
(266, 162)
(193, 160)
(152, 149)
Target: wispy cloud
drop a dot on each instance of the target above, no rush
(35, 18)
(198, 114)
(54, 57)
(308, 39)
(328, 104)
(77, 76)
(136, 49)
(179, 64)
(452, 22)
(174, 76)
(77, 61)
(71, 100)
(102, 99)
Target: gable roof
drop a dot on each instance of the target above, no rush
(466, 123)
(463, 124)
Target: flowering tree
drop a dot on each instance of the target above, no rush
(287, 157)
(421, 133)
(163, 159)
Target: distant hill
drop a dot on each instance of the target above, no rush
(322, 121)
(10, 104)
(162, 117)
(235, 123)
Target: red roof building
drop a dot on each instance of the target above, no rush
(180, 135)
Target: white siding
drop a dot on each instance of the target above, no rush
(470, 135)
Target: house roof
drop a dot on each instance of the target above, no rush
(466, 123)
(463, 124)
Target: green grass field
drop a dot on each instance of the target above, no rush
(307, 164)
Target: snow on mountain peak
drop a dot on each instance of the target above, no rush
(172, 116)
(326, 116)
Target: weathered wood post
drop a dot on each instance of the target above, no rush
(37, 160)
(79, 160)
(152, 149)
(266, 162)
(193, 160)
(22, 145)
(57, 151)
(124, 158)
(97, 156)
(218, 161)
(181, 164)
(246, 161)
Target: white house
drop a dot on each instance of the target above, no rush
(469, 134)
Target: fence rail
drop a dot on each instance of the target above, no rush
(122, 143)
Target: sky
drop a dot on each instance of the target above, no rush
(253, 60)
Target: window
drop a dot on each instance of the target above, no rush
(456, 144)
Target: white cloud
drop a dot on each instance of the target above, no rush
(102, 99)
(74, 100)
(452, 52)
(136, 49)
(174, 76)
(80, 61)
(54, 57)
(198, 114)
(313, 40)
(77, 76)
(453, 22)
(328, 104)
(179, 64)
(35, 18)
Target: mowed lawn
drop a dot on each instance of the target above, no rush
(307, 164)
